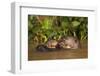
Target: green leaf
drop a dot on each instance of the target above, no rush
(75, 23)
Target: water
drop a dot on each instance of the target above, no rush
(59, 54)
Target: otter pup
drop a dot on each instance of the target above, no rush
(50, 45)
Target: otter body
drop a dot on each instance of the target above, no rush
(51, 44)
(63, 43)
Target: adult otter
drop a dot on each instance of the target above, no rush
(69, 43)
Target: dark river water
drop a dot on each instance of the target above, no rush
(59, 54)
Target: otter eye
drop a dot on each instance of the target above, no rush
(66, 44)
(75, 41)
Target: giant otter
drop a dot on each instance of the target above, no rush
(63, 43)
(69, 43)
(50, 45)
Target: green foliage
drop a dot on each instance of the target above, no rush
(55, 27)
(47, 23)
(75, 23)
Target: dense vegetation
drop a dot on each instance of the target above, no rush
(42, 28)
